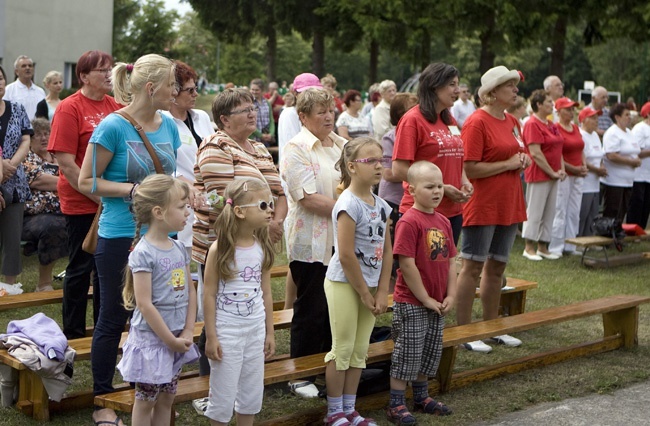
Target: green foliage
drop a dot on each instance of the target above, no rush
(123, 13)
(196, 46)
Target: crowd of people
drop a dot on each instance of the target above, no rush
(369, 199)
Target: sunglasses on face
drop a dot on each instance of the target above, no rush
(261, 204)
(384, 161)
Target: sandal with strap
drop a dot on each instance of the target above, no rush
(338, 419)
(400, 415)
(431, 406)
(356, 419)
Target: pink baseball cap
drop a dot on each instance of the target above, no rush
(306, 81)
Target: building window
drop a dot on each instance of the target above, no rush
(70, 75)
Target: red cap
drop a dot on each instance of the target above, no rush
(565, 103)
(645, 110)
(588, 112)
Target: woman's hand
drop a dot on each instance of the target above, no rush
(8, 169)
(276, 229)
(269, 345)
(467, 188)
(196, 198)
(601, 171)
(455, 195)
(213, 349)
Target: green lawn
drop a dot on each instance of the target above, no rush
(560, 282)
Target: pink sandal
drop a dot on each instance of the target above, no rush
(338, 419)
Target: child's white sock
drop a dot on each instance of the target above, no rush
(334, 405)
(348, 403)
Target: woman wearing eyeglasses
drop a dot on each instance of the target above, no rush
(311, 178)
(75, 120)
(229, 154)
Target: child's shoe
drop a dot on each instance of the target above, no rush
(431, 406)
(355, 419)
(400, 415)
(338, 419)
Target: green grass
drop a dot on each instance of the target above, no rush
(561, 282)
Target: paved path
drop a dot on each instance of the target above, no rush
(629, 407)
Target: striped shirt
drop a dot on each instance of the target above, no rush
(219, 161)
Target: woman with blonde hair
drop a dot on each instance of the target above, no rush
(53, 82)
(116, 161)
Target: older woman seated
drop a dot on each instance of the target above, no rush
(43, 224)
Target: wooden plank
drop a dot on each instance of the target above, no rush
(597, 240)
(40, 298)
(617, 260)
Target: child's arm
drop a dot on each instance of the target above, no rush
(210, 288)
(190, 319)
(269, 342)
(381, 297)
(348, 258)
(142, 291)
(450, 300)
(414, 282)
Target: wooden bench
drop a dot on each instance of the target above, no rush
(40, 298)
(596, 242)
(620, 317)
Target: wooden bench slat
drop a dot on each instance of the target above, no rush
(39, 298)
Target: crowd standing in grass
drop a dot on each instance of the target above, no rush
(461, 170)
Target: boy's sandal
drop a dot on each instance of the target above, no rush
(400, 415)
(356, 419)
(431, 406)
(338, 419)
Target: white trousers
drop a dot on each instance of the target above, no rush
(567, 214)
(540, 210)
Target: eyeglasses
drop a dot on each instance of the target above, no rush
(384, 161)
(190, 90)
(248, 110)
(102, 70)
(261, 204)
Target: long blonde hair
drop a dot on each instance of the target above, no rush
(157, 190)
(227, 225)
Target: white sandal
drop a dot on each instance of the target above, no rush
(304, 389)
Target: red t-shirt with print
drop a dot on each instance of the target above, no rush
(417, 139)
(427, 238)
(498, 199)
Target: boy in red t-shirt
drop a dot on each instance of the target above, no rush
(424, 292)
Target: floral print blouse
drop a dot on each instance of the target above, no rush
(42, 201)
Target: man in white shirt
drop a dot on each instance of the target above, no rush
(23, 90)
(599, 98)
(554, 86)
(463, 107)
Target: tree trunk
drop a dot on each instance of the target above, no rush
(558, 46)
(374, 61)
(487, 53)
(425, 51)
(271, 53)
(318, 53)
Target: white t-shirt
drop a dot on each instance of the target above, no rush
(28, 97)
(621, 142)
(357, 126)
(641, 135)
(594, 154)
(288, 127)
(461, 110)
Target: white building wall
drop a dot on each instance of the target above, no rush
(53, 32)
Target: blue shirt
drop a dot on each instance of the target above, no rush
(131, 163)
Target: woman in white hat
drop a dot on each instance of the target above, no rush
(494, 157)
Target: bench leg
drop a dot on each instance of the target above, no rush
(624, 322)
(513, 303)
(39, 398)
(446, 368)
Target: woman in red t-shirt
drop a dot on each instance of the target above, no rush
(494, 158)
(544, 144)
(429, 132)
(569, 191)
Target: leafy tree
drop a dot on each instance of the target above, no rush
(123, 13)
(196, 46)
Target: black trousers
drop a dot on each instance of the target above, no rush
(77, 278)
(616, 201)
(639, 204)
(310, 326)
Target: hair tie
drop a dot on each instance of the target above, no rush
(229, 201)
(129, 68)
(521, 76)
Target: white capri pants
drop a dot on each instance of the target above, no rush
(238, 379)
(540, 210)
(567, 214)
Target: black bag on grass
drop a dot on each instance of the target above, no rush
(610, 227)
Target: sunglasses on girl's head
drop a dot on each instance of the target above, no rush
(261, 204)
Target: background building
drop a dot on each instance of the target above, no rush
(53, 33)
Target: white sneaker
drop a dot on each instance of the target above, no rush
(304, 389)
(507, 340)
(200, 405)
(478, 346)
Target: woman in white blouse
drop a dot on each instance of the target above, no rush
(593, 153)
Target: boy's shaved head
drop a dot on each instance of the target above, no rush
(420, 169)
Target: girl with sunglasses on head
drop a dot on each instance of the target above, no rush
(238, 304)
(356, 284)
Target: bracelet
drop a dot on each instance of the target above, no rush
(132, 192)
